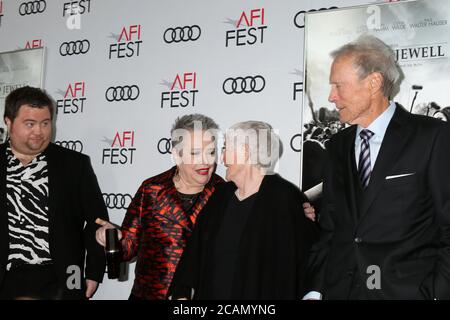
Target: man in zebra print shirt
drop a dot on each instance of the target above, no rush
(49, 199)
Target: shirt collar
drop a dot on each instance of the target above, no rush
(380, 124)
(11, 157)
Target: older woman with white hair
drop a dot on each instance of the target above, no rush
(251, 240)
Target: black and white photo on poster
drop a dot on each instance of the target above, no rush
(18, 69)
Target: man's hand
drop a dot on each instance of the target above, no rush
(309, 211)
(91, 287)
(100, 233)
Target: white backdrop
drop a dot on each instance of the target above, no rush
(268, 42)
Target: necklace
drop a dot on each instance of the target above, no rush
(187, 197)
(187, 200)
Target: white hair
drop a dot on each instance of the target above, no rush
(373, 55)
(264, 144)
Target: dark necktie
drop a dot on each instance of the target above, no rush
(364, 167)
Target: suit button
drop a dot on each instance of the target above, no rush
(358, 240)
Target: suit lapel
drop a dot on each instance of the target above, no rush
(350, 171)
(4, 233)
(55, 187)
(397, 135)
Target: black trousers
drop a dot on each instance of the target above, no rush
(30, 282)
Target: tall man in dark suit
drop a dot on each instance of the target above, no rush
(49, 200)
(386, 213)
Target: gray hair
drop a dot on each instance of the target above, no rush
(372, 55)
(190, 123)
(265, 146)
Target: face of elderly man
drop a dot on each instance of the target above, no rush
(351, 95)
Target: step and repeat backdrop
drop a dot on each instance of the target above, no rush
(122, 71)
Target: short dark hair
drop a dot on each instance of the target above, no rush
(33, 97)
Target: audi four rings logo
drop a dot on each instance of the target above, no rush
(74, 47)
(178, 34)
(244, 85)
(122, 93)
(299, 18)
(293, 147)
(75, 145)
(117, 200)
(32, 7)
(164, 146)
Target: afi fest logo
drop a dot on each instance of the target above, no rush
(33, 44)
(73, 11)
(182, 91)
(249, 29)
(297, 86)
(121, 149)
(74, 99)
(128, 43)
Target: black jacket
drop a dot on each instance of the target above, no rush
(75, 201)
(273, 249)
(398, 229)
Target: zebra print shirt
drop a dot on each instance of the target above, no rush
(27, 195)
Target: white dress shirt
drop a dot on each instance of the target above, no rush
(378, 127)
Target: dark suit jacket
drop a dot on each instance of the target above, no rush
(401, 225)
(273, 250)
(75, 199)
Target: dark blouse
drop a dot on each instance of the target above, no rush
(271, 255)
(226, 246)
(188, 201)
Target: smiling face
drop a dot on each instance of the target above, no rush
(234, 158)
(30, 132)
(197, 159)
(350, 94)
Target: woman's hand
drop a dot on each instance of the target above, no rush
(100, 233)
(309, 211)
(91, 287)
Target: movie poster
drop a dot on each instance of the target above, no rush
(17, 69)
